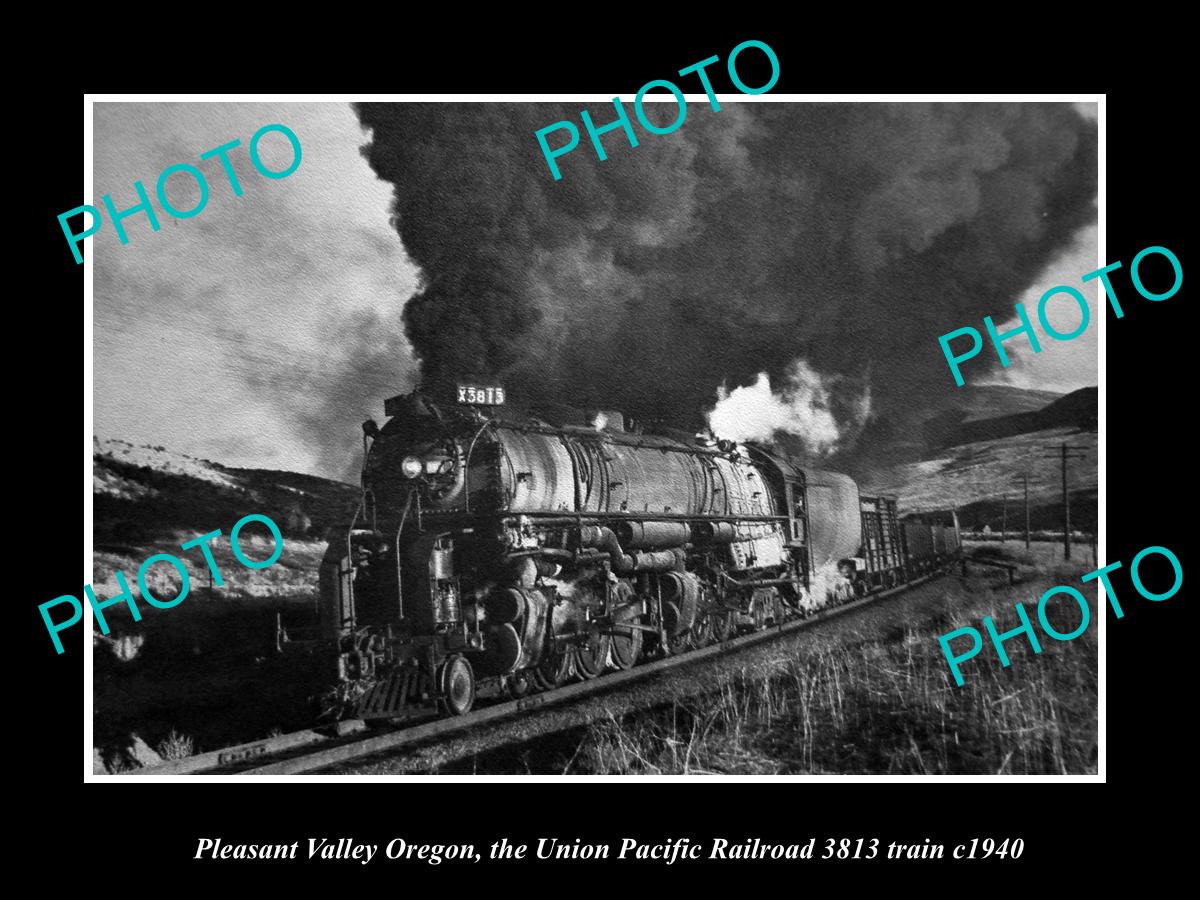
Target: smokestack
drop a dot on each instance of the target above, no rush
(849, 236)
(608, 420)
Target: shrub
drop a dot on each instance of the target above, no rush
(175, 746)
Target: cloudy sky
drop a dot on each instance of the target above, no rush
(1061, 365)
(220, 335)
(1072, 364)
(215, 335)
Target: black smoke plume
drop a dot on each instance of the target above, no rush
(849, 235)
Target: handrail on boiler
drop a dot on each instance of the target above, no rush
(467, 466)
(399, 572)
(350, 558)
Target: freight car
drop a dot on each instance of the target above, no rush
(527, 552)
(930, 542)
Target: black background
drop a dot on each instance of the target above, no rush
(1150, 411)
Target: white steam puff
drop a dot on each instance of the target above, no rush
(801, 407)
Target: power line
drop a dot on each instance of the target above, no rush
(1065, 452)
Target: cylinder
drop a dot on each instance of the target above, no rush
(524, 571)
(681, 598)
(533, 628)
(505, 606)
(591, 535)
(655, 561)
(653, 534)
(503, 651)
(714, 532)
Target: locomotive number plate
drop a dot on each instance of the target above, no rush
(485, 396)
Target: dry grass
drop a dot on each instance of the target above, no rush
(881, 707)
(175, 746)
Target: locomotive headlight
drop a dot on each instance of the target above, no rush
(412, 466)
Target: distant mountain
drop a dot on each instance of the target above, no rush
(991, 401)
(141, 492)
(970, 462)
(891, 439)
(1078, 409)
(975, 478)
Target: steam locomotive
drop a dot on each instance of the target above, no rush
(517, 553)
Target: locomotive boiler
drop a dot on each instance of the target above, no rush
(525, 552)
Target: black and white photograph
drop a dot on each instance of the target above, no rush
(687, 436)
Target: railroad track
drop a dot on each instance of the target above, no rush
(300, 752)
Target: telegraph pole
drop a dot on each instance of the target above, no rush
(1065, 452)
(1004, 520)
(1025, 480)
(1025, 484)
